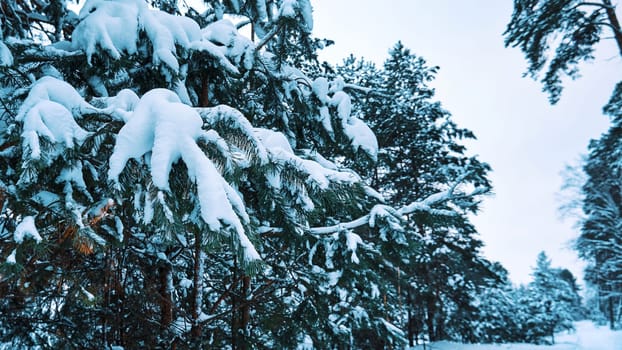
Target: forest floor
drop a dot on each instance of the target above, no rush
(587, 336)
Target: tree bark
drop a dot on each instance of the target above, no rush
(431, 310)
(615, 24)
(166, 296)
(204, 97)
(235, 323)
(246, 311)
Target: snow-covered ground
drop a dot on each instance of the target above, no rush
(587, 337)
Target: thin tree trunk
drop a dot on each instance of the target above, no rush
(107, 292)
(166, 296)
(197, 288)
(204, 97)
(431, 310)
(246, 311)
(611, 315)
(235, 324)
(615, 24)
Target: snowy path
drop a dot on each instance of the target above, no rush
(587, 337)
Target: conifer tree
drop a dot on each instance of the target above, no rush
(599, 239)
(580, 25)
(435, 262)
(171, 183)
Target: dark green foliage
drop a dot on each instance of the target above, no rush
(435, 260)
(127, 263)
(599, 239)
(574, 26)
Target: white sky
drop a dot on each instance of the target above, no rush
(525, 140)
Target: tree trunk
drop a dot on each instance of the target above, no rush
(615, 24)
(197, 288)
(246, 311)
(411, 337)
(165, 273)
(235, 322)
(204, 97)
(611, 314)
(431, 311)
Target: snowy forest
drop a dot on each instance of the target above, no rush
(179, 177)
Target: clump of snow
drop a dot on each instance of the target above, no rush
(89, 296)
(333, 277)
(169, 129)
(273, 139)
(55, 90)
(280, 152)
(46, 198)
(183, 29)
(11, 258)
(110, 25)
(72, 175)
(389, 214)
(352, 242)
(306, 343)
(97, 84)
(114, 26)
(185, 283)
(360, 135)
(51, 120)
(6, 57)
(306, 12)
(375, 292)
(235, 120)
(320, 89)
(291, 8)
(287, 9)
(122, 104)
(136, 137)
(25, 229)
(225, 37)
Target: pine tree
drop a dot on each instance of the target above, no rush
(171, 183)
(599, 239)
(552, 300)
(580, 25)
(434, 262)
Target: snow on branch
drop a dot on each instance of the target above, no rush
(360, 135)
(236, 130)
(48, 111)
(55, 90)
(26, 228)
(225, 37)
(426, 205)
(163, 125)
(114, 26)
(6, 58)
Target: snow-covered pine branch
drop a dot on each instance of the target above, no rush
(425, 205)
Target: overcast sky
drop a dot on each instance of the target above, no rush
(525, 140)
